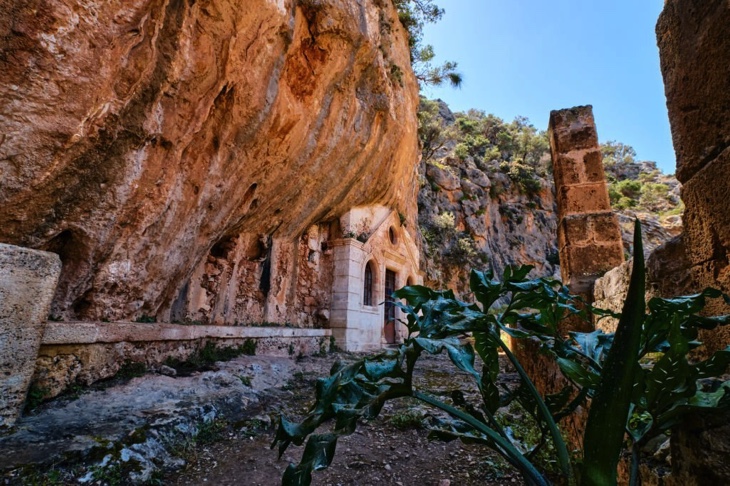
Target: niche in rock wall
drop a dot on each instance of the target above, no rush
(178, 311)
(74, 253)
(256, 249)
(265, 282)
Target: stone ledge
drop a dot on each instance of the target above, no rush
(58, 333)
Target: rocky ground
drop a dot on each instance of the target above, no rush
(216, 426)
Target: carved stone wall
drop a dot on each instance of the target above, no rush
(373, 236)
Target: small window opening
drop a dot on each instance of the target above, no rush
(368, 291)
(393, 236)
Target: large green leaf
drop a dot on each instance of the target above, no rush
(318, 454)
(579, 374)
(716, 365)
(604, 435)
(594, 345)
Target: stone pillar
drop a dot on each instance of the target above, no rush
(28, 281)
(589, 238)
(355, 327)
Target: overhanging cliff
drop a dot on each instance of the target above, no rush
(137, 135)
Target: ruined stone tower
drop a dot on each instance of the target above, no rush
(589, 238)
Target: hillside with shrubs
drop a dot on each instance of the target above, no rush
(487, 196)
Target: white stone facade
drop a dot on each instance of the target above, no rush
(372, 236)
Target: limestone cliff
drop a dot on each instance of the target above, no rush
(480, 205)
(142, 140)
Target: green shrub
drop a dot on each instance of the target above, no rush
(653, 195)
(461, 151)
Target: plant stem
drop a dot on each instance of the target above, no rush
(634, 478)
(560, 447)
(504, 447)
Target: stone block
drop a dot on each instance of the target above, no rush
(591, 260)
(568, 170)
(593, 166)
(584, 198)
(581, 229)
(694, 48)
(28, 280)
(605, 227)
(707, 215)
(572, 129)
(573, 230)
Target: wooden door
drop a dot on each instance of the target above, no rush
(389, 307)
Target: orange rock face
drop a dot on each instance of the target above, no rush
(137, 134)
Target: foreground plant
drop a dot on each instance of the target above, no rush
(642, 400)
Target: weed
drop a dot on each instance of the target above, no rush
(144, 318)
(204, 358)
(131, 369)
(333, 345)
(249, 347)
(210, 431)
(407, 419)
(36, 396)
(396, 74)
(31, 476)
(110, 474)
(245, 380)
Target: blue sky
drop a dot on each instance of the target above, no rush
(527, 57)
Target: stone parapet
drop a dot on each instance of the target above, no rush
(58, 333)
(86, 352)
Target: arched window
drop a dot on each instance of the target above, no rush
(368, 290)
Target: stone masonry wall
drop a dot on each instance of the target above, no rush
(694, 48)
(81, 353)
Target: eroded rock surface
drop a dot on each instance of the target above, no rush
(137, 136)
(139, 427)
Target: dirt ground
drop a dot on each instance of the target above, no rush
(392, 450)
